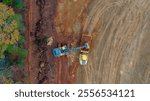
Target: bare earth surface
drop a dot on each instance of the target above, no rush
(119, 49)
(121, 53)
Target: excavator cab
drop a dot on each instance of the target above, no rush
(60, 51)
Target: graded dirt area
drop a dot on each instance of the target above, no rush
(122, 44)
(119, 40)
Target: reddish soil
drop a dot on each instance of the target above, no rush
(118, 30)
(40, 21)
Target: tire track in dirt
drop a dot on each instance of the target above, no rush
(119, 25)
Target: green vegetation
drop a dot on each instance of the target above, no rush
(19, 21)
(17, 3)
(9, 33)
(8, 2)
(12, 52)
(16, 55)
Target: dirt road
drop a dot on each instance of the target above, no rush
(119, 45)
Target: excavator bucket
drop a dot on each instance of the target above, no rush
(87, 46)
(86, 39)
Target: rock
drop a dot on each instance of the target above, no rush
(49, 41)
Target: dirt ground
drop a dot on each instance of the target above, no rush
(122, 44)
(119, 48)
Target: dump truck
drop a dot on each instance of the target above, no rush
(83, 57)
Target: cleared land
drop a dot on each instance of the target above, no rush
(122, 44)
(120, 31)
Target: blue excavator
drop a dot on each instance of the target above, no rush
(64, 50)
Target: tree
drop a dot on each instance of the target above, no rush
(19, 4)
(9, 33)
(8, 2)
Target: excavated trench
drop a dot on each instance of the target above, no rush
(42, 61)
(41, 44)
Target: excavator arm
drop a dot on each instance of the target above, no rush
(79, 48)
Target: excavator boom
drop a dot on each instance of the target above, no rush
(60, 51)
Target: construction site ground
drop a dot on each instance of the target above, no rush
(118, 32)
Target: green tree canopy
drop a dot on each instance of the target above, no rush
(9, 33)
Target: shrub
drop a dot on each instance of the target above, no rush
(7, 2)
(3, 63)
(16, 55)
(19, 21)
(19, 4)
